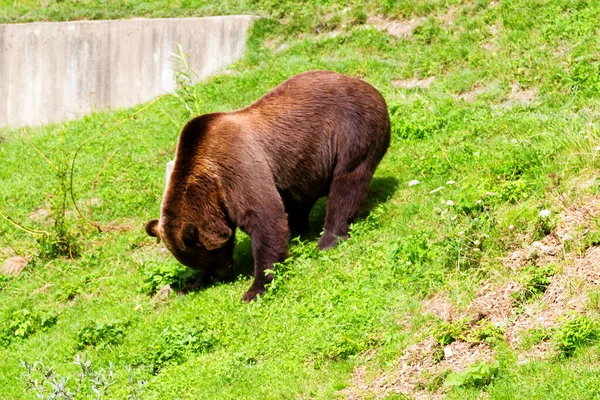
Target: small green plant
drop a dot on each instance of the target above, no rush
(23, 323)
(534, 280)
(371, 222)
(544, 224)
(61, 241)
(515, 191)
(185, 92)
(299, 252)
(413, 261)
(414, 126)
(358, 16)
(448, 332)
(575, 332)
(434, 382)
(592, 236)
(137, 387)
(68, 291)
(174, 345)
(342, 346)
(593, 303)
(478, 375)
(485, 331)
(100, 334)
(176, 275)
(534, 336)
(4, 280)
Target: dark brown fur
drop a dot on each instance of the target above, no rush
(262, 168)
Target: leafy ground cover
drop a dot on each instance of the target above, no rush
(480, 279)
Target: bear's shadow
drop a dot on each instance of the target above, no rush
(380, 191)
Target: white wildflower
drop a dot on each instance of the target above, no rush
(545, 213)
(597, 148)
(476, 242)
(449, 203)
(450, 183)
(460, 233)
(511, 227)
(414, 182)
(436, 190)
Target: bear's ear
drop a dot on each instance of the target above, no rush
(214, 234)
(152, 228)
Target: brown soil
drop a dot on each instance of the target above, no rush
(472, 94)
(40, 215)
(448, 18)
(413, 83)
(163, 294)
(440, 306)
(416, 367)
(400, 29)
(520, 96)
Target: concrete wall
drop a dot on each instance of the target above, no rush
(52, 71)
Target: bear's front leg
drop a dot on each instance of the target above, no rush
(270, 235)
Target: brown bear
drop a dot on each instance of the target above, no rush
(263, 167)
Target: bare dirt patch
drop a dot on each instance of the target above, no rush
(472, 94)
(41, 215)
(163, 294)
(440, 306)
(495, 305)
(417, 366)
(448, 18)
(520, 96)
(123, 225)
(413, 83)
(540, 252)
(400, 29)
(488, 46)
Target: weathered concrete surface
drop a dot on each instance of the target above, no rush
(52, 71)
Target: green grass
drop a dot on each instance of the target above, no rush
(326, 309)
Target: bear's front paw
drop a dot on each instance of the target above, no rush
(252, 293)
(328, 240)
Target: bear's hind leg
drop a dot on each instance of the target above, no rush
(346, 194)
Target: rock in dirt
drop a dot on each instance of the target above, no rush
(163, 294)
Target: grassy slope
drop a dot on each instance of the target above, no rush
(305, 337)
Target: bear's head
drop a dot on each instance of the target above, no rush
(197, 247)
(193, 224)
